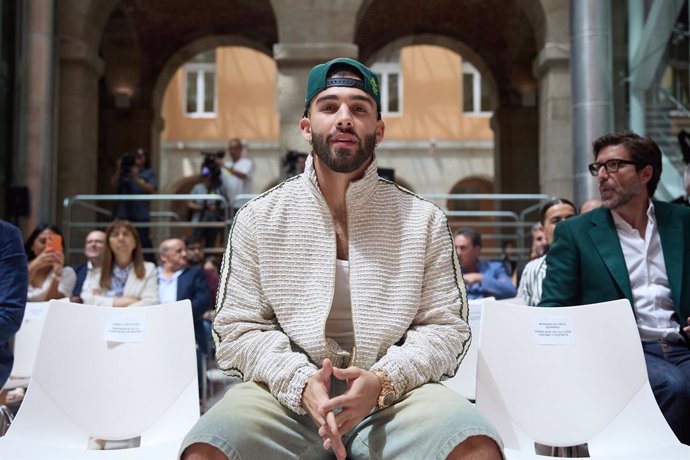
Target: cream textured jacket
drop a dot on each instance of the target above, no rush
(409, 307)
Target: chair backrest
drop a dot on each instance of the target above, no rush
(465, 379)
(27, 339)
(112, 373)
(517, 300)
(567, 376)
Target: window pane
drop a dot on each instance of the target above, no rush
(467, 93)
(209, 91)
(208, 56)
(486, 98)
(393, 101)
(191, 92)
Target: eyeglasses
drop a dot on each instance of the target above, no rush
(611, 166)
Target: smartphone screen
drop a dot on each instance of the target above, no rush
(54, 242)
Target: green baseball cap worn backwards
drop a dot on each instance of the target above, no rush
(318, 80)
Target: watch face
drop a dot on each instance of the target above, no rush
(388, 399)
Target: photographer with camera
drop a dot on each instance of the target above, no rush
(208, 210)
(237, 173)
(134, 176)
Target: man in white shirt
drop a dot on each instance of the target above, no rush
(237, 173)
(178, 281)
(636, 248)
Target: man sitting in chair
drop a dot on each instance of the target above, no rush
(636, 248)
(341, 335)
(178, 281)
(482, 278)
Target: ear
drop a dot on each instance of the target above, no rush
(305, 129)
(380, 128)
(646, 173)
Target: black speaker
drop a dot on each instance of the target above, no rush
(17, 201)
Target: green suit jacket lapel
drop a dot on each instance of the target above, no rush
(672, 245)
(605, 238)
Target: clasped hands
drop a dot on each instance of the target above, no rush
(363, 389)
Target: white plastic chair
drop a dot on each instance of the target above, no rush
(465, 379)
(569, 376)
(113, 374)
(26, 342)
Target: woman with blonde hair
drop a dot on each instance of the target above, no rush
(124, 279)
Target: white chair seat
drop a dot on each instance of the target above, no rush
(569, 376)
(88, 384)
(464, 381)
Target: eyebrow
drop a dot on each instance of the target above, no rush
(334, 97)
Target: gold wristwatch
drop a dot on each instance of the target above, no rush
(387, 395)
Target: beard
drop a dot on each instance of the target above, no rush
(342, 160)
(615, 197)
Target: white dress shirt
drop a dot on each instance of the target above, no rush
(644, 258)
(167, 287)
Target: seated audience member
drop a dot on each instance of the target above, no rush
(45, 264)
(212, 263)
(588, 205)
(538, 248)
(634, 248)
(551, 214)
(124, 279)
(482, 278)
(178, 281)
(14, 282)
(341, 338)
(93, 250)
(508, 257)
(196, 258)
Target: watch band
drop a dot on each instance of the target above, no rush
(387, 395)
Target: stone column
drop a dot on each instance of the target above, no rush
(77, 168)
(552, 68)
(516, 150)
(36, 166)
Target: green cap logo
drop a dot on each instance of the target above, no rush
(374, 86)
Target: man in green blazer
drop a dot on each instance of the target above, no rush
(636, 248)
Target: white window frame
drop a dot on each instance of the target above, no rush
(384, 70)
(201, 69)
(469, 69)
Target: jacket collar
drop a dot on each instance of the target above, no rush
(603, 234)
(358, 192)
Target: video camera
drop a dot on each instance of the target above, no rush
(210, 166)
(127, 161)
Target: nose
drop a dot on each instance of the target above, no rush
(344, 117)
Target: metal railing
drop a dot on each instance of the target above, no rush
(496, 226)
(502, 225)
(164, 219)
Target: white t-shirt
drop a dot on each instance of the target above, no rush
(339, 323)
(233, 185)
